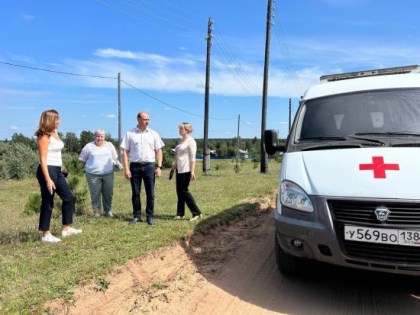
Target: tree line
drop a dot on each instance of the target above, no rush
(74, 144)
(19, 155)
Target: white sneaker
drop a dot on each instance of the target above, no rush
(70, 231)
(49, 238)
(196, 217)
(178, 217)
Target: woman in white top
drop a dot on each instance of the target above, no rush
(98, 157)
(51, 179)
(184, 165)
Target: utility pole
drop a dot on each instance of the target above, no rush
(237, 142)
(264, 157)
(206, 151)
(119, 115)
(290, 114)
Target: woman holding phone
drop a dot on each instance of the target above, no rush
(184, 166)
(51, 179)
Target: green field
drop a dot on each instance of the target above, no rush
(32, 272)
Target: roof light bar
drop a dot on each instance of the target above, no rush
(369, 73)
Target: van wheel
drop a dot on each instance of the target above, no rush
(287, 264)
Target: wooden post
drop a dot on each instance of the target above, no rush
(206, 151)
(264, 157)
(119, 116)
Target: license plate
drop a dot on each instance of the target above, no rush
(382, 236)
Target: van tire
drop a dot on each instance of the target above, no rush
(287, 264)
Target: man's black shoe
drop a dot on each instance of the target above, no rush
(136, 220)
(150, 221)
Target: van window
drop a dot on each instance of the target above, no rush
(361, 112)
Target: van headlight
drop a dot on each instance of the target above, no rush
(292, 196)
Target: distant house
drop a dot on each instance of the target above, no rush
(243, 154)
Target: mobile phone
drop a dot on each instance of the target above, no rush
(65, 174)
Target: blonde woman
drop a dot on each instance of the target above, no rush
(51, 179)
(184, 165)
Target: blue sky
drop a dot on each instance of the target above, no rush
(159, 47)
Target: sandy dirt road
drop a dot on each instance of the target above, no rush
(232, 270)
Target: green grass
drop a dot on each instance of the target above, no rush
(32, 272)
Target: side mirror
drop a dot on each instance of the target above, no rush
(271, 142)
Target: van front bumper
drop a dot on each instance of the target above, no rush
(321, 236)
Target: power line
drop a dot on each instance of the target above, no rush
(281, 40)
(104, 77)
(249, 126)
(172, 106)
(59, 72)
(138, 7)
(143, 21)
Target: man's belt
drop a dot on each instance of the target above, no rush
(141, 163)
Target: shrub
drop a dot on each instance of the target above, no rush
(18, 161)
(80, 194)
(237, 168)
(167, 161)
(72, 164)
(33, 205)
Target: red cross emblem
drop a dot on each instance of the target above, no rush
(379, 167)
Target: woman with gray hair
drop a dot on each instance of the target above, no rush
(98, 157)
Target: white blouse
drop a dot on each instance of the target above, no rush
(98, 160)
(54, 152)
(185, 152)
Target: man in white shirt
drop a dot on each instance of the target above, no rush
(142, 146)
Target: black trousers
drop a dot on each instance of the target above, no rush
(63, 191)
(146, 173)
(184, 195)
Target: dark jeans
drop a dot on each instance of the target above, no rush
(62, 189)
(146, 173)
(184, 195)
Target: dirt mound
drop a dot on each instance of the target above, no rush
(172, 280)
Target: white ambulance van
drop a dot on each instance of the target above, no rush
(349, 187)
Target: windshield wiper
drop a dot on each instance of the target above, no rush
(325, 138)
(340, 138)
(366, 139)
(391, 133)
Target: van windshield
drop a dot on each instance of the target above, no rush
(366, 112)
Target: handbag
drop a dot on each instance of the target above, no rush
(117, 166)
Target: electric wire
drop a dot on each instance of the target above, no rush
(55, 71)
(138, 7)
(172, 106)
(183, 34)
(113, 78)
(249, 126)
(282, 43)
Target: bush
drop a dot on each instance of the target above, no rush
(18, 161)
(237, 168)
(33, 205)
(72, 164)
(80, 194)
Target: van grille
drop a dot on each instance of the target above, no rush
(402, 215)
(357, 212)
(383, 252)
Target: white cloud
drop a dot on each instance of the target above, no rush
(13, 127)
(158, 59)
(17, 108)
(167, 108)
(112, 116)
(24, 92)
(27, 17)
(182, 48)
